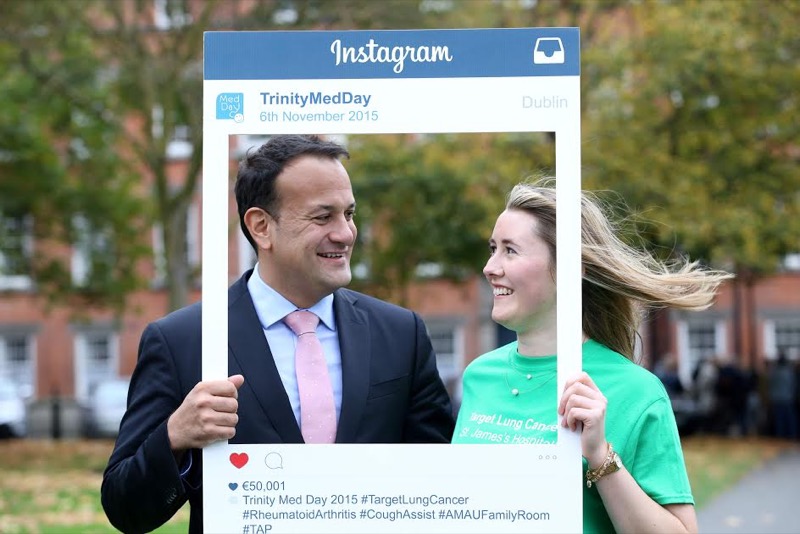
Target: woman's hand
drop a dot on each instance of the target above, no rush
(628, 506)
(583, 403)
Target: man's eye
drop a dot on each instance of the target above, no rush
(349, 215)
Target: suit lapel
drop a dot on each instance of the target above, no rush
(355, 347)
(249, 349)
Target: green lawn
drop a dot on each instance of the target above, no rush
(54, 487)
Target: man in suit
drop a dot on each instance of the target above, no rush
(296, 208)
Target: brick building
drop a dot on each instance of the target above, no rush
(48, 353)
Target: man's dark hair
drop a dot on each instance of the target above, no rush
(255, 181)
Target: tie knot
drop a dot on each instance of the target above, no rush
(302, 322)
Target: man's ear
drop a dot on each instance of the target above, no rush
(259, 223)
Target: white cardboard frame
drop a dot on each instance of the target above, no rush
(506, 488)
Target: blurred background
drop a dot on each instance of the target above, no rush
(690, 124)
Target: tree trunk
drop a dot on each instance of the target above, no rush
(176, 258)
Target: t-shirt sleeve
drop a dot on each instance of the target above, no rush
(657, 464)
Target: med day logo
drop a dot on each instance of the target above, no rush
(230, 106)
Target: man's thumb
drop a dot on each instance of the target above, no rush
(236, 380)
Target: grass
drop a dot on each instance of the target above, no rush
(54, 487)
(51, 487)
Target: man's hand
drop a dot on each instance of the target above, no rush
(206, 415)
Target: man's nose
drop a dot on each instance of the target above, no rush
(344, 231)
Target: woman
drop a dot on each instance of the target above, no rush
(639, 484)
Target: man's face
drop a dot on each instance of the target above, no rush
(310, 239)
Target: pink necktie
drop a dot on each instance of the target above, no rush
(317, 410)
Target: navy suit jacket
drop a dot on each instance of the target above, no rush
(391, 393)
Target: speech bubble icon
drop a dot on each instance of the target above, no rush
(274, 460)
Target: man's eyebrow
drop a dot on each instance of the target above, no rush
(330, 207)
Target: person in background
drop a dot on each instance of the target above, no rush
(731, 396)
(376, 376)
(635, 474)
(782, 391)
(704, 388)
(667, 371)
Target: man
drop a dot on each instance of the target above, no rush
(296, 208)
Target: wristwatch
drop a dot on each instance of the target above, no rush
(611, 464)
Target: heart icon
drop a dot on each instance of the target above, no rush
(239, 459)
(233, 485)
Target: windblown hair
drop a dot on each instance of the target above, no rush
(620, 283)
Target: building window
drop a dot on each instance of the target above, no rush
(16, 362)
(444, 346)
(170, 14)
(787, 339)
(699, 340)
(791, 262)
(180, 144)
(702, 341)
(96, 359)
(192, 258)
(447, 340)
(16, 251)
(92, 253)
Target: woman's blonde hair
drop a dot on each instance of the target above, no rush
(620, 283)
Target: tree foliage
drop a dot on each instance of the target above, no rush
(689, 113)
(430, 201)
(58, 156)
(695, 124)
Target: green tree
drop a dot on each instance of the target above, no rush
(58, 163)
(696, 124)
(135, 88)
(427, 203)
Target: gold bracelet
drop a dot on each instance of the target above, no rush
(611, 464)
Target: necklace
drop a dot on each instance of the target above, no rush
(528, 375)
(517, 392)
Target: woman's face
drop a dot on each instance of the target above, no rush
(519, 270)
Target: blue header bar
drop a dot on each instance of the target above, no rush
(299, 55)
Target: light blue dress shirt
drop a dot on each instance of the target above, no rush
(271, 308)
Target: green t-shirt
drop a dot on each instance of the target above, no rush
(639, 418)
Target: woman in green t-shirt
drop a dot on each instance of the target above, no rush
(639, 484)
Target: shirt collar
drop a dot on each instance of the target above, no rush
(272, 307)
